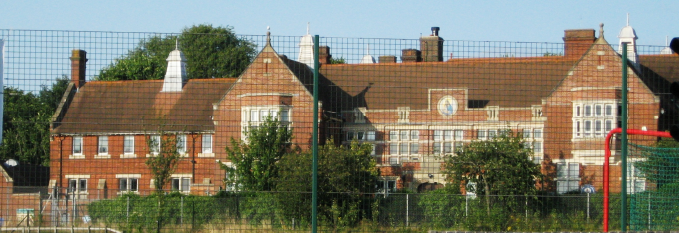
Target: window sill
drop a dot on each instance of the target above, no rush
(583, 139)
(76, 156)
(184, 155)
(102, 156)
(151, 155)
(127, 192)
(206, 155)
(127, 156)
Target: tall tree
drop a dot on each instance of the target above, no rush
(500, 166)
(26, 121)
(210, 52)
(254, 160)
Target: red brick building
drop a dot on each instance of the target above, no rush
(22, 188)
(413, 112)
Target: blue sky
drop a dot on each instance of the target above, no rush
(526, 21)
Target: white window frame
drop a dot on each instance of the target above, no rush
(77, 190)
(183, 181)
(78, 145)
(481, 134)
(181, 144)
(251, 116)
(154, 142)
(633, 177)
(102, 145)
(448, 141)
(128, 178)
(602, 114)
(207, 150)
(571, 175)
(360, 135)
(126, 153)
(403, 148)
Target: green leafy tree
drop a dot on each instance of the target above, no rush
(255, 159)
(162, 163)
(346, 184)
(340, 60)
(499, 166)
(163, 160)
(210, 52)
(26, 119)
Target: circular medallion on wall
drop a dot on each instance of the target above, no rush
(447, 105)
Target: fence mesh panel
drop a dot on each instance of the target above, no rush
(211, 131)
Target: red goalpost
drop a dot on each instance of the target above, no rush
(607, 148)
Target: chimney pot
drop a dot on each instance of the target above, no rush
(432, 46)
(435, 31)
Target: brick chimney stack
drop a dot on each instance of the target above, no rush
(577, 42)
(432, 46)
(78, 60)
(411, 55)
(324, 55)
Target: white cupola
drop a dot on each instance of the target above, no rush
(175, 78)
(629, 36)
(368, 59)
(306, 49)
(667, 50)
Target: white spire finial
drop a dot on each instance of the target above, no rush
(307, 28)
(268, 35)
(627, 19)
(666, 44)
(176, 44)
(367, 50)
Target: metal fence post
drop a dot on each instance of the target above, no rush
(314, 143)
(623, 149)
(407, 208)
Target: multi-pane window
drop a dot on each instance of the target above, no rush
(102, 147)
(404, 142)
(533, 139)
(635, 181)
(182, 184)
(128, 144)
(361, 135)
(207, 143)
(568, 177)
(128, 184)
(77, 145)
(77, 185)
(181, 143)
(594, 120)
(154, 144)
(447, 141)
(260, 115)
(483, 134)
(252, 117)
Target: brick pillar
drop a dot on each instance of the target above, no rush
(78, 60)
